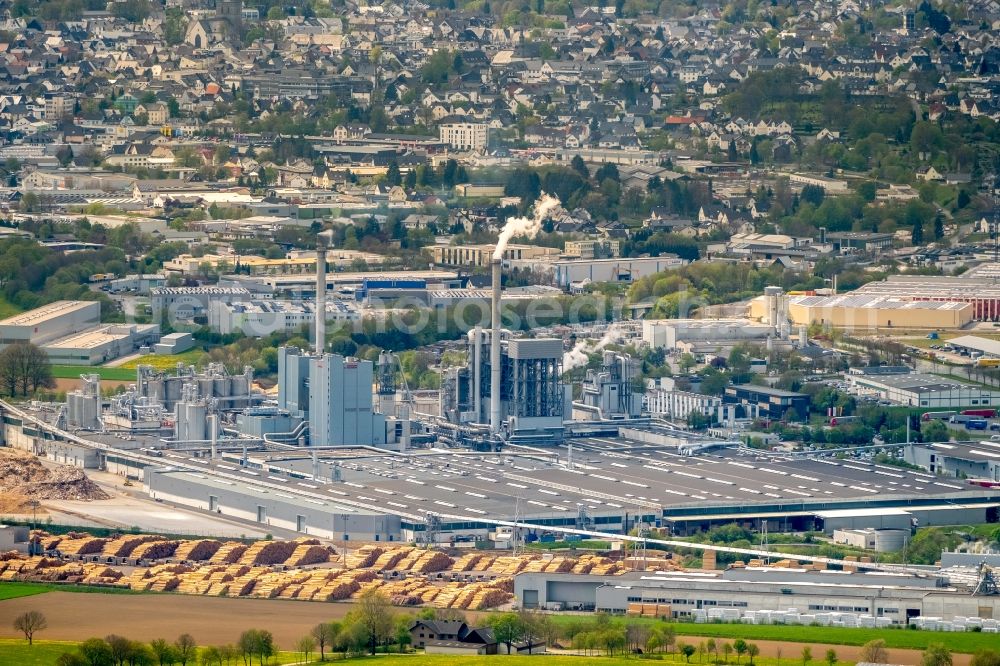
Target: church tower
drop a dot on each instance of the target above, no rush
(232, 12)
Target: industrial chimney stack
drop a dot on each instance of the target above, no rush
(495, 352)
(320, 342)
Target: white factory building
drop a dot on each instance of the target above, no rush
(568, 272)
(703, 335)
(920, 390)
(71, 333)
(762, 595)
(671, 404)
(263, 317)
(101, 344)
(50, 322)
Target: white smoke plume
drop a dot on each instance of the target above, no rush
(577, 356)
(525, 226)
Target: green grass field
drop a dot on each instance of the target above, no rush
(46, 653)
(74, 372)
(8, 309)
(966, 642)
(42, 653)
(17, 590)
(163, 361)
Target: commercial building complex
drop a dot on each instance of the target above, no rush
(768, 403)
(50, 322)
(979, 288)
(672, 404)
(920, 390)
(482, 255)
(262, 317)
(184, 303)
(795, 595)
(699, 336)
(70, 332)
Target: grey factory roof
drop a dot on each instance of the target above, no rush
(876, 301)
(918, 383)
(602, 482)
(985, 345)
(983, 450)
(44, 313)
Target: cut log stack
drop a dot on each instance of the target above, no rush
(124, 545)
(155, 550)
(310, 553)
(467, 562)
(268, 552)
(364, 557)
(100, 574)
(230, 553)
(87, 545)
(300, 569)
(390, 558)
(431, 561)
(197, 550)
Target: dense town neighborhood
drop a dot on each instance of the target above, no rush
(485, 329)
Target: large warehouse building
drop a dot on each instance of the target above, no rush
(980, 287)
(812, 597)
(70, 332)
(50, 322)
(867, 311)
(920, 390)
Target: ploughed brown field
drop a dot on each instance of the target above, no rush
(211, 620)
(218, 620)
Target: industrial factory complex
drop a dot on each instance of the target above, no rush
(509, 452)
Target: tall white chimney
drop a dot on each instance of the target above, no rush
(320, 297)
(495, 352)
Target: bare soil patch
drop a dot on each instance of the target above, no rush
(75, 616)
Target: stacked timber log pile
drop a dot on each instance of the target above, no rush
(124, 545)
(229, 553)
(155, 550)
(85, 545)
(268, 552)
(310, 552)
(364, 557)
(299, 569)
(197, 550)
